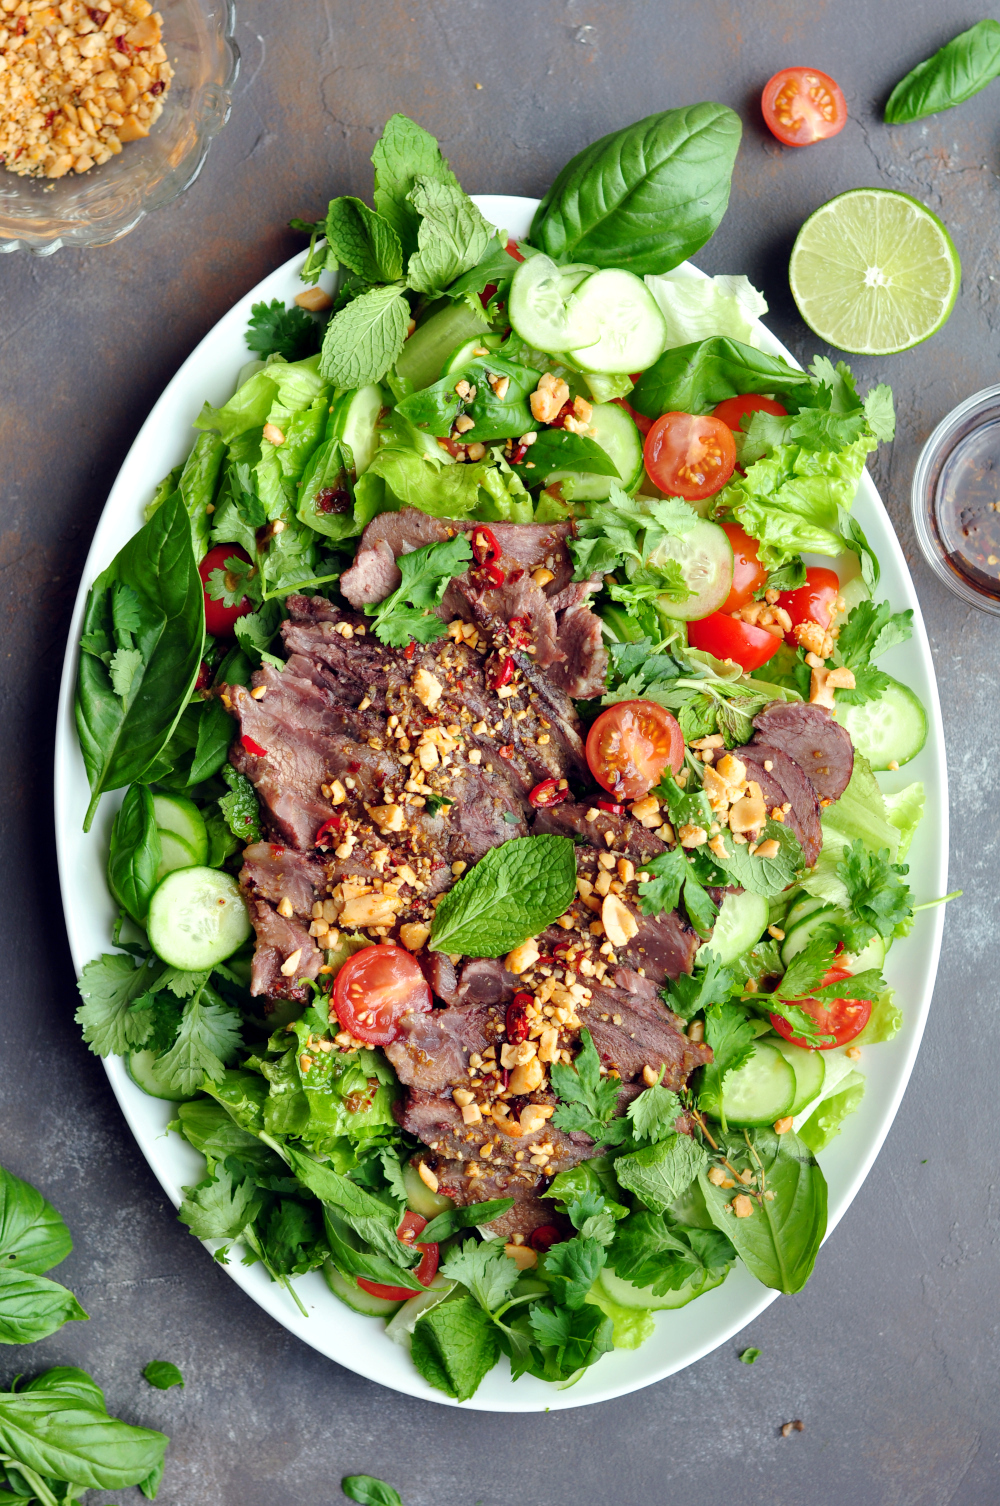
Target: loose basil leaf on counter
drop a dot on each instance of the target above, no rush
(143, 634)
(162, 1374)
(58, 1428)
(645, 197)
(749, 1356)
(512, 893)
(452, 1219)
(135, 853)
(33, 1236)
(780, 1238)
(32, 1307)
(368, 1491)
(954, 74)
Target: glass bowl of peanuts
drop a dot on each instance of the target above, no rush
(107, 111)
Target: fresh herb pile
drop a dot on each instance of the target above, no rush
(305, 1164)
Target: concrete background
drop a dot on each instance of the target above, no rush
(890, 1354)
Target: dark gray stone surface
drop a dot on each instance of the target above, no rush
(890, 1355)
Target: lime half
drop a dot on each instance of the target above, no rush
(874, 272)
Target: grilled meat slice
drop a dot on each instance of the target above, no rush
(818, 744)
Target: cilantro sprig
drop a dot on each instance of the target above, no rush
(408, 612)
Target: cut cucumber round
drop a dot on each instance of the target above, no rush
(355, 1297)
(803, 906)
(174, 853)
(617, 434)
(798, 937)
(419, 1196)
(468, 351)
(741, 922)
(354, 421)
(427, 349)
(889, 730)
(873, 955)
(626, 1294)
(631, 331)
(538, 305)
(177, 814)
(705, 556)
(197, 918)
(143, 1068)
(852, 593)
(758, 1093)
(809, 1068)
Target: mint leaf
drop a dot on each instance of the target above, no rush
(408, 612)
(485, 1270)
(363, 241)
(765, 876)
(455, 1345)
(655, 1251)
(659, 1174)
(365, 338)
(514, 892)
(453, 235)
(404, 152)
(110, 986)
(162, 1374)
(277, 330)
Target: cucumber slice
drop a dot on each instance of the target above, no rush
(618, 626)
(427, 349)
(873, 955)
(631, 331)
(616, 433)
(175, 813)
(174, 853)
(803, 906)
(809, 1068)
(538, 305)
(892, 729)
(197, 918)
(758, 1093)
(355, 1297)
(797, 937)
(852, 592)
(705, 556)
(142, 1067)
(354, 421)
(741, 923)
(626, 1294)
(420, 1198)
(468, 351)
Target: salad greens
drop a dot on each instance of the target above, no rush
(414, 391)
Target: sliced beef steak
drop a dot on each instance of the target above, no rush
(818, 744)
(803, 818)
(632, 1029)
(484, 1183)
(437, 1120)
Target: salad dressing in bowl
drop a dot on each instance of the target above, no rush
(956, 500)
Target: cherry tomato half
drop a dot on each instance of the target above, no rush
(689, 455)
(630, 745)
(812, 602)
(748, 572)
(802, 105)
(841, 1018)
(425, 1272)
(375, 988)
(220, 620)
(732, 411)
(728, 638)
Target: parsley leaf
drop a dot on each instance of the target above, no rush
(110, 986)
(571, 1268)
(591, 1217)
(218, 1208)
(659, 1174)
(868, 632)
(588, 1100)
(240, 807)
(708, 985)
(408, 611)
(878, 899)
(208, 1037)
(672, 877)
(277, 330)
(654, 1113)
(731, 1037)
(239, 578)
(485, 1270)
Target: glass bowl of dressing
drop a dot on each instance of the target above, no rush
(956, 500)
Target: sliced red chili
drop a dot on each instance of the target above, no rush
(517, 1018)
(410, 649)
(612, 807)
(549, 792)
(511, 250)
(485, 548)
(490, 576)
(507, 751)
(276, 851)
(504, 674)
(519, 629)
(518, 453)
(565, 412)
(252, 747)
(515, 575)
(543, 1238)
(333, 825)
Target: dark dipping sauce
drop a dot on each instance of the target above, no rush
(966, 507)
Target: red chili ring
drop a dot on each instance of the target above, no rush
(549, 792)
(485, 548)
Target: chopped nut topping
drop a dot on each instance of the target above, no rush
(427, 687)
(548, 397)
(782, 1126)
(620, 924)
(414, 935)
(742, 1206)
(823, 682)
(291, 963)
(427, 1176)
(692, 836)
(522, 957)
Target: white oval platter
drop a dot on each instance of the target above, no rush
(357, 1342)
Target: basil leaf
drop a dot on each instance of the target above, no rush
(452, 238)
(33, 1236)
(404, 152)
(452, 1219)
(120, 735)
(954, 74)
(514, 892)
(364, 339)
(559, 450)
(780, 1238)
(434, 409)
(365, 242)
(645, 197)
(162, 1374)
(68, 1381)
(694, 378)
(32, 1307)
(65, 1439)
(135, 853)
(368, 1491)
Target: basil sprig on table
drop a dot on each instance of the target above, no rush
(644, 197)
(955, 73)
(33, 1239)
(514, 892)
(143, 634)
